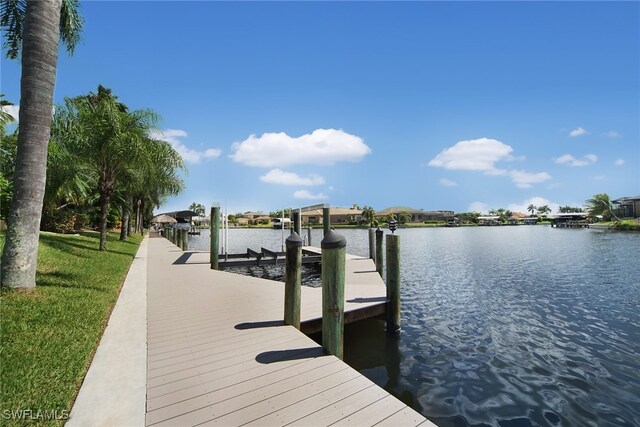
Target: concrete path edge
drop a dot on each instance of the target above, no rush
(114, 390)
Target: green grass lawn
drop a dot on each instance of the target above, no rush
(48, 337)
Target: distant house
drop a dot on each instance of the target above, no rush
(627, 207)
(337, 216)
(253, 218)
(516, 218)
(182, 217)
(489, 220)
(417, 215)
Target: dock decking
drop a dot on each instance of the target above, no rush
(219, 354)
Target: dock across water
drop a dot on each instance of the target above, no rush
(219, 354)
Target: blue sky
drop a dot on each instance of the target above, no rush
(434, 105)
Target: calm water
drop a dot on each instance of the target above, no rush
(505, 326)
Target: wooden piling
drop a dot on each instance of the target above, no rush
(326, 220)
(333, 275)
(393, 283)
(309, 236)
(215, 237)
(297, 226)
(185, 240)
(292, 280)
(372, 244)
(379, 251)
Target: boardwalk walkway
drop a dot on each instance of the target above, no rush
(218, 353)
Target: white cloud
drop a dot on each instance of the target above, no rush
(212, 153)
(173, 136)
(482, 155)
(619, 162)
(475, 155)
(569, 160)
(612, 134)
(305, 195)
(448, 183)
(535, 201)
(578, 132)
(12, 110)
(278, 176)
(524, 179)
(320, 147)
(478, 207)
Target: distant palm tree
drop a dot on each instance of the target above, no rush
(33, 30)
(600, 204)
(404, 217)
(368, 214)
(543, 210)
(5, 117)
(531, 209)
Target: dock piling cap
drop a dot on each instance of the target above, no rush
(333, 240)
(293, 241)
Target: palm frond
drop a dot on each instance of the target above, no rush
(12, 13)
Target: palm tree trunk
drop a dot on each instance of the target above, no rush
(104, 214)
(129, 222)
(39, 60)
(135, 230)
(141, 209)
(125, 224)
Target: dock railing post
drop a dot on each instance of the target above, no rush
(185, 240)
(333, 275)
(309, 236)
(372, 244)
(379, 251)
(292, 280)
(215, 236)
(174, 236)
(326, 220)
(179, 237)
(393, 283)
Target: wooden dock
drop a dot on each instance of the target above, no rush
(219, 354)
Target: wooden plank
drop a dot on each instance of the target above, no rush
(217, 353)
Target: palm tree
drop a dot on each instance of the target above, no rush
(543, 210)
(197, 208)
(404, 217)
(110, 139)
(32, 32)
(531, 209)
(5, 117)
(600, 204)
(368, 214)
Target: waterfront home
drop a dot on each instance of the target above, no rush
(181, 217)
(572, 220)
(417, 215)
(516, 218)
(489, 220)
(337, 215)
(627, 207)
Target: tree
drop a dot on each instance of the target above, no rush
(404, 217)
(543, 210)
(5, 117)
(568, 209)
(111, 140)
(531, 209)
(600, 205)
(197, 208)
(368, 214)
(32, 32)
